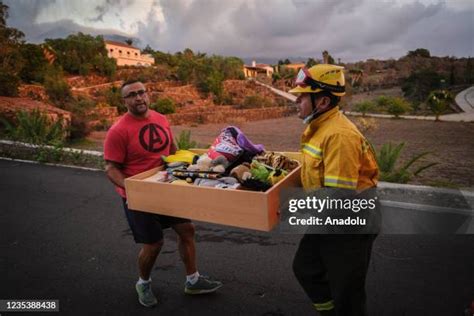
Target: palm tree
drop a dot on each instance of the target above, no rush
(438, 102)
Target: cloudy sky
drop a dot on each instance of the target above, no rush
(349, 29)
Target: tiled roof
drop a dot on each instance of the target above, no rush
(120, 44)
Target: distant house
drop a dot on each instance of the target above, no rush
(127, 55)
(257, 69)
(296, 66)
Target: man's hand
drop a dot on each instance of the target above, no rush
(115, 175)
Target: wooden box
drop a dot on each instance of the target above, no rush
(239, 208)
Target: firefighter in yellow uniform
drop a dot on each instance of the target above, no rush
(332, 268)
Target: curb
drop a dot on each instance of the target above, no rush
(424, 188)
(74, 150)
(50, 164)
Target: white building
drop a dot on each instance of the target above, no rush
(127, 55)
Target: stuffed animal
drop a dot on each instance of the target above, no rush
(219, 164)
(259, 171)
(276, 175)
(241, 172)
(204, 163)
(277, 161)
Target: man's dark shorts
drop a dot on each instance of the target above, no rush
(147, 228)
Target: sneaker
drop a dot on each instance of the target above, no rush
(145, 294)
(203, 285)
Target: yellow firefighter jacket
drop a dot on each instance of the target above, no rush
(335, 154)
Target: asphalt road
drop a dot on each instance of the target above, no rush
(63, 236)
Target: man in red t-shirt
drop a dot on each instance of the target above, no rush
(135, 144)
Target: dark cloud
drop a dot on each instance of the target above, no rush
(349, 29)
(103, 8)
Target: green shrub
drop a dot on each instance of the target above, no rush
(438, 102)
(80, 105)
(256, 101)
(382, 101)
(104, 66)
(57, 88)
(227, 98)
(85, 69)
(155, 73)
(8, 84)
(35, 127)
(79, 128)
(113, 97)
(364, 107)
(276, 76)
(164, 106)
(80, 115)
(213, 84)
(184, 140)
(50, 154)
(34, 63)
(398, 106)
(387, 159)
(287, 73)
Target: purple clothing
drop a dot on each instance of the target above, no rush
(244, 142)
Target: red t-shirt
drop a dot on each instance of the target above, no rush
(138, 144)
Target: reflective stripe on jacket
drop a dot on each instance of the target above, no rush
(335, 154)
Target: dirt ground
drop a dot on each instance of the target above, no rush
(451, 144)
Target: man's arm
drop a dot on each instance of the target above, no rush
(115, 175)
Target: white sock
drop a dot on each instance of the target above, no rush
(141, 281)
(193, 278)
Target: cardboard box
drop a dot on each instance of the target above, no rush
(239, 208)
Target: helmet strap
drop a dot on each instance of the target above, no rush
(316, 113)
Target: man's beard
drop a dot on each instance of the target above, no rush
(135, 109)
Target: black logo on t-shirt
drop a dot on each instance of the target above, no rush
(153, 138)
